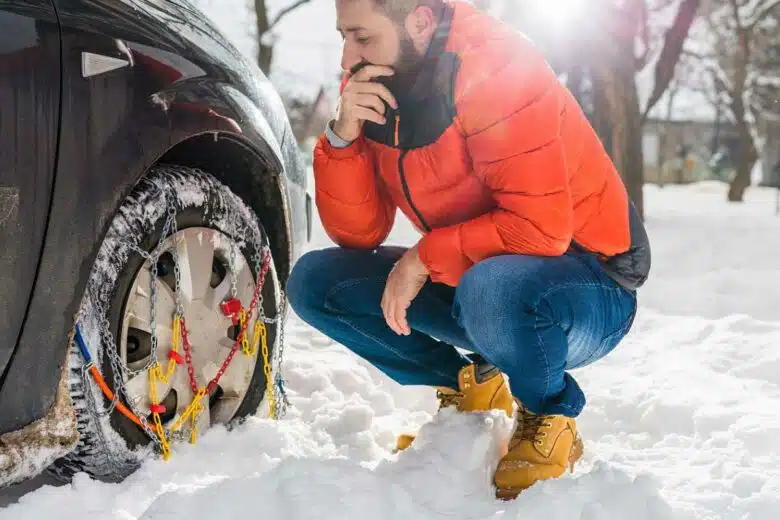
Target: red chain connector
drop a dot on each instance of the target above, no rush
(172, 354)
(232, 309)
(157, 408)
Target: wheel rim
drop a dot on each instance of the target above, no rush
(206, 276)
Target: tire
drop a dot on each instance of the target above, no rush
(111, 447)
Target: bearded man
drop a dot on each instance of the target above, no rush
(531, 252)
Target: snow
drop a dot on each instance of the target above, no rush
(681, 422)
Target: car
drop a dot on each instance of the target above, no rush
(152, 201)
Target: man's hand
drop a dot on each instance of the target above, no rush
(404, 283)
(361, 100)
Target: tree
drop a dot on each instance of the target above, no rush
(265, 44)
(735, 45)
(600, 63)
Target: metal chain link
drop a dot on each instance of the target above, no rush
(169, 228)
(283, 403)
(93, 410)
(233, 274)
(119, 368)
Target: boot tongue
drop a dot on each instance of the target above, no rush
(528, 426)
(485, 371)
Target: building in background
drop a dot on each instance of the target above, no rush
(769, 155)
(684, 151)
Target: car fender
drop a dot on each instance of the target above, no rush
(83, 206)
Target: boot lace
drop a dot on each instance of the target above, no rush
(528, 428)
(447, 399)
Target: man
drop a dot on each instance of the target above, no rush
(531, 252)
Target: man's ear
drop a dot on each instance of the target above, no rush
(420, 25)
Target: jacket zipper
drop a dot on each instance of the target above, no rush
(403, 178)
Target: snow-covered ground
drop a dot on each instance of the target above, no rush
(682, 421)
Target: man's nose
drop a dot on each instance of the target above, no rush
(349, 57)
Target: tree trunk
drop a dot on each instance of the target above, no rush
(663, 137)
(574, 82)
(601, 116)
(615, 86)
(264, 51)
(746, 158)
(265, 54)
(747, 153)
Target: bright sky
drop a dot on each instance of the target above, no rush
(557, 14)
(307, 50)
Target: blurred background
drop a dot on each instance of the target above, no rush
(680, 91)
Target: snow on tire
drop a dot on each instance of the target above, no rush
(209, 220)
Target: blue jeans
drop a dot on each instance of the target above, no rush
(532, 317)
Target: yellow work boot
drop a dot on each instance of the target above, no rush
(482, 387)
(541, 448)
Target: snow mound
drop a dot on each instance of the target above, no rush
(332, 458)
(447, 476)
(681, 423)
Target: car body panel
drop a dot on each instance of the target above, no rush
(179, 81)
(29, 119)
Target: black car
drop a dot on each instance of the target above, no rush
(152, 201)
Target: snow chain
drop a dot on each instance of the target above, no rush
(232, 308)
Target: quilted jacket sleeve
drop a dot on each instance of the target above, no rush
(509, 109)
(353, 207)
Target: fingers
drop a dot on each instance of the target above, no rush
(399, 314)
(370, 101)
(394, 308)
(363, 100)
(393, 316)
(379, 90)
(370, 72)
(357, 85)
(387, 306)
(367, 114)
(388, 309)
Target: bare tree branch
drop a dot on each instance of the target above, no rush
(735, 11)
(763, 11)
(700, 56)
(660, 6)
(265, 46)
(284, 12)
(644, 33)
(718, 81)
(670, 53)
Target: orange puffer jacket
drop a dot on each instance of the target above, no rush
(487, 154)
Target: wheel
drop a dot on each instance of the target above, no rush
(180, 224)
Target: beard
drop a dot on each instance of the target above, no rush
(409, 59)
(406, 66)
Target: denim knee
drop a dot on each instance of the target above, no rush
(495, 297)
(305, 292)
(493, 284)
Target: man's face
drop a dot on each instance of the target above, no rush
(371, 36)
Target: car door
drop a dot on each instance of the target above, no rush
(29, 125)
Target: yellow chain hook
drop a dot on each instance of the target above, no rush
(245, 338)
(260, 333)
(192, 410)
(165, 446)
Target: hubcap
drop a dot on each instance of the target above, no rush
(206, 275)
